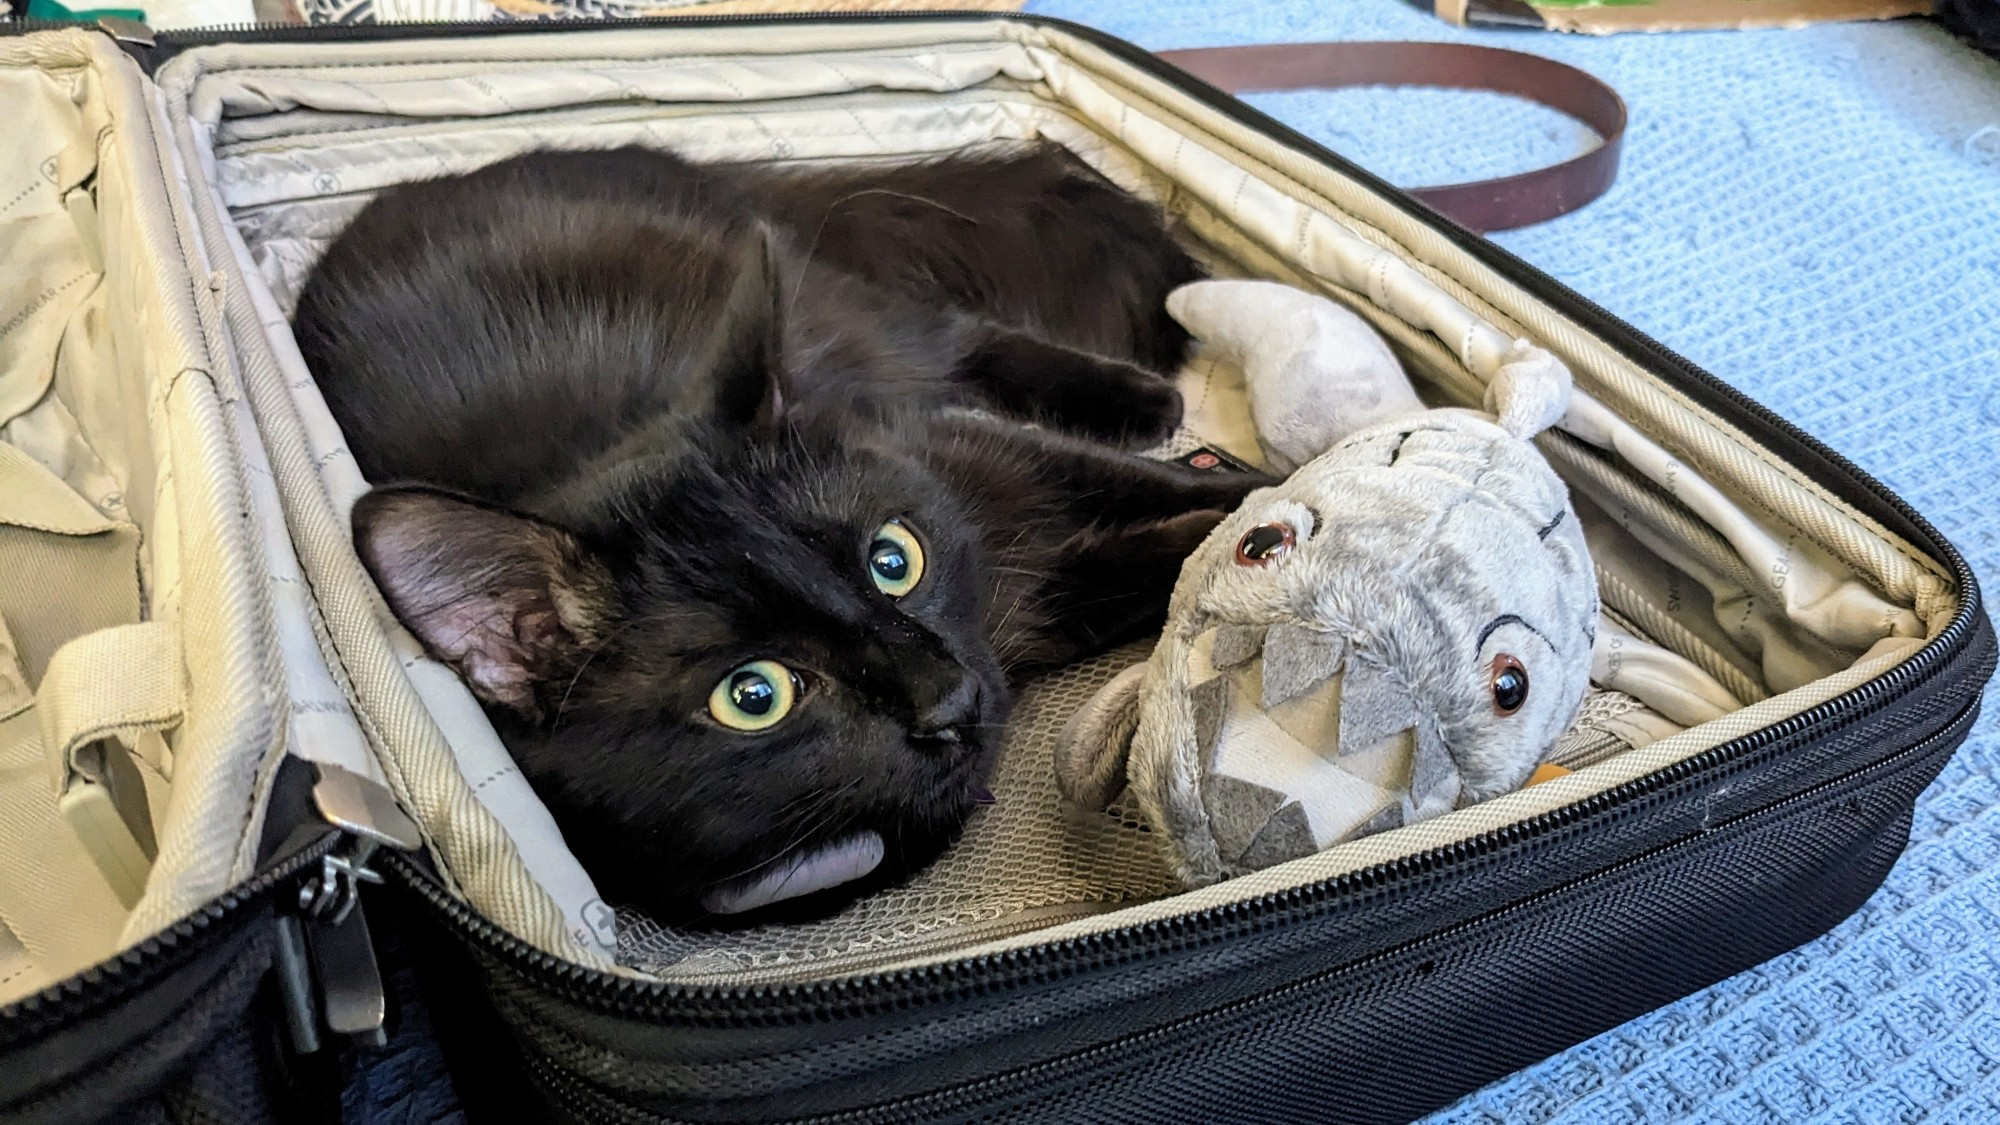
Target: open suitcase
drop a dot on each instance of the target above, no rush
(212, 735)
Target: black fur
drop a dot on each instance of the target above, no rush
(639, 421)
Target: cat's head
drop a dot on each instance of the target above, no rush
(754, 662)
(741, 663)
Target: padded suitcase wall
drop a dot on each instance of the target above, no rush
(154, 637)
(127, 534)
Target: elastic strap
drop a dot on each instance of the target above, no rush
(104, 703)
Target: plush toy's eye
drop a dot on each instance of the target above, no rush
(1510, 684)
(895, 559)
(1265, 543)
(754, 697)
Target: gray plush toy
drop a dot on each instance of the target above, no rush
(1401, 628)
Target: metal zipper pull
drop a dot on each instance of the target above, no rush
(353, 1003)
(327, 944)
(126, 30)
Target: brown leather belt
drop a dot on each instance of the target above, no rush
(1488, 205)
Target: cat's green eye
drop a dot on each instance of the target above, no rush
(754, 697)
(895, 559)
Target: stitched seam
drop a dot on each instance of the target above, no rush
(5, 207)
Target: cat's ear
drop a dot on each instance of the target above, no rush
(511, 602)
(746, 370)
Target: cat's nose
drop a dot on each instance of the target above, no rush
(944, 721)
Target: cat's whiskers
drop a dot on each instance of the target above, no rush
(858, 193)
(1013, 607)
(823, 803)
(1004, 642)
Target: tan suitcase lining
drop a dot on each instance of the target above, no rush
(132, 582)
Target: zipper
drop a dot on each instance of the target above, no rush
(828, 1000)
(136, 968)
(580, 1094)
(327, 974)
(738, 1004)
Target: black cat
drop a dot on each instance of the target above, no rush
(714, 484)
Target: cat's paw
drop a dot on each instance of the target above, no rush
(1121, 404)
(1083, 394)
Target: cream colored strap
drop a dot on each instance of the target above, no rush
(104, 703)
(15, 695)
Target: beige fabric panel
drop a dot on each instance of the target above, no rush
(232, 738)
(67, 566)
(58, 912)
(61, 912)
(69, 569)
(40, 167)
(107, 393)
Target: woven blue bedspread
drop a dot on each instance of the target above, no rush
(1814, 216)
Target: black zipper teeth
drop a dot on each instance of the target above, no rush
(757, 1004)
(623, 993)
(130, 969)
(569, 1085)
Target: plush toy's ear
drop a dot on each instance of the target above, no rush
(1530, 392)
(511, 602)
(1093, 747)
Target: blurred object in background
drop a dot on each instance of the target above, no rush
(1600, 17)
(1976, 21)
(397, 11)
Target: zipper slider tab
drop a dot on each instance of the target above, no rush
(124, 30)
(327, 943)
(358, 806)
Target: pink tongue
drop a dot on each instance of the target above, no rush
(829, 866)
